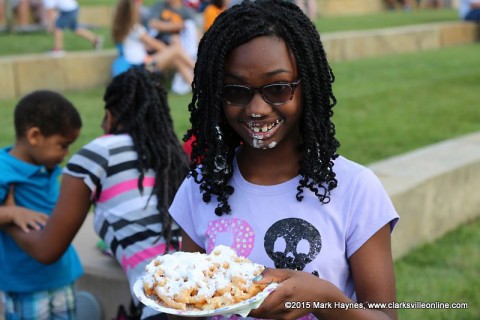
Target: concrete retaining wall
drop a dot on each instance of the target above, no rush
(86, 69)
(349, 7)
(351, 45)
(100, 16)
(22, 74)
(433, 189)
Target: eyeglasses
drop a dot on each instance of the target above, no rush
(275, 93)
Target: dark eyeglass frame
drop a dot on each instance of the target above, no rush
(293, 85)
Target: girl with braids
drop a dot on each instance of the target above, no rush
(130, 175)
(266, 178)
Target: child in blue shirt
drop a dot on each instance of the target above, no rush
(46, 124)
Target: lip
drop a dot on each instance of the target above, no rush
(262, 130)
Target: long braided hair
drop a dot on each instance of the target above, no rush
(215, 142)
(138, 102)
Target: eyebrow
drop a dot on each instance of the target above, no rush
(265, 75)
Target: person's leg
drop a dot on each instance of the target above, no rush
(23, 13)
(91, 37)
(174, 57)
(86, 34)
(407, 5)
(473, 15)
(2, 13)
(38, 12)
(27, 306)
(62, 303)
(61, 23)
(391, 4)
(312, 9)
(58, 39)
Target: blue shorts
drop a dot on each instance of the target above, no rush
(55, 304)
(67, 19)
(473, 15)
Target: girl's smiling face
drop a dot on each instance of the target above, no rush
(259, 62)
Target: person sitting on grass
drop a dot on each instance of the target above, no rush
(133, 43)
(469, 10)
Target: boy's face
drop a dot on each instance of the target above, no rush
(52, 150)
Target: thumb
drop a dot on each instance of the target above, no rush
(270, 275)
(10, 200)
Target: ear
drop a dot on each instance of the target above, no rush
(34, 136)
(108, 121)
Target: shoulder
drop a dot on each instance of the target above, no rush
(355, 180)
(187, 13)
(105, 146)
(349, 171)
(13, 167)
(210, 9)
(111, 141)
(4, 155)
(137, 27)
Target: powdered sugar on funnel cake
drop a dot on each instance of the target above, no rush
(184, 280)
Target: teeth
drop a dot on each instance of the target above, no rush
(265, 128)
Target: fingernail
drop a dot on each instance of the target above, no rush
(258, 278)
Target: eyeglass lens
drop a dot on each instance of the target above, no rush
(276, 93)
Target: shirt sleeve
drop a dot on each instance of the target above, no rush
(370, 209)
(181, 209)
(49, 4)
(90, 163)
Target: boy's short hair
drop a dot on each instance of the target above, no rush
(51, 112)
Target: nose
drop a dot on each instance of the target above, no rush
(258, 105)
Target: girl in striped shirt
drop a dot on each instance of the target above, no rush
(130, 176)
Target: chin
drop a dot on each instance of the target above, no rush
(264, 145)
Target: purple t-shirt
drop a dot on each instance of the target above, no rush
(269, 226)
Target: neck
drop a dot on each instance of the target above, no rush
(269, 166)
(20, 152)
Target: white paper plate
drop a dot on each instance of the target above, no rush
(242, 308)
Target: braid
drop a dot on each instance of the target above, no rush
(139, 104)
(216, 142)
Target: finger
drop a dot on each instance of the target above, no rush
(25, 228)
(42, 220)
(36, 226)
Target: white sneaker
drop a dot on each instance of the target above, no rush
(179, 85)
(56, 53)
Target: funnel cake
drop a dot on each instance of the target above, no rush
(203, 282)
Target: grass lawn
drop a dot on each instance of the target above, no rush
(386, 105)
(42, 42)
(385, 19)
(37, 42)
(444, 271)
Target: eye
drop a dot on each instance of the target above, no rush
(278, 88)
(236, 94)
